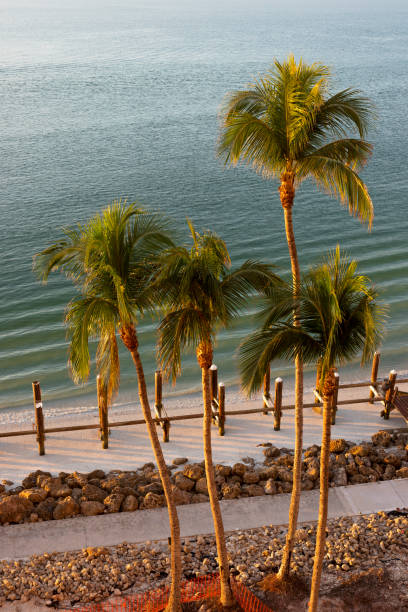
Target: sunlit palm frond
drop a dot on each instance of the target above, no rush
(179, 329)
(341, 181)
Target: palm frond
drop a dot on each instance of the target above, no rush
(179, 329)
(340, 180)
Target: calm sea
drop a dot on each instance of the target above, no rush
(101, 100)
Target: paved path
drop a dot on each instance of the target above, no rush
(19, 541)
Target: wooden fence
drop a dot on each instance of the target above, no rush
(219, 414)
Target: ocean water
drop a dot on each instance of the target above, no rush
(101, 100)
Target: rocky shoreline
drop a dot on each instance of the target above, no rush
(42, 496)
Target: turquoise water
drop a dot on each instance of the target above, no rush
(103, 100)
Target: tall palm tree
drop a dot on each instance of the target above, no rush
(109, 259)
(339, 317)
(287, 125)
(202, 293)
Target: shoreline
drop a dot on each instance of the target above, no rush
(175, 402)
(129, 446)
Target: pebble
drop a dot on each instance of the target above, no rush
(353, 544)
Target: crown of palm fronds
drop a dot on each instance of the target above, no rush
(339, 314)
(200, 291)
(112, 261)
(288, 119)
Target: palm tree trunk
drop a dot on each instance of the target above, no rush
(287, 194)
(226, 598)
(174, 605)
(323, 504)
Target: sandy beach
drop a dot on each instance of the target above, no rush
(129, 446)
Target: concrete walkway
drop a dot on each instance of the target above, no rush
(19, 541)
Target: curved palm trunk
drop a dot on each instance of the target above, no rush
(323, 504)
(226, 598)
(287, 194)
(129, 338)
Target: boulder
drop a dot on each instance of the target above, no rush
(30, 481)
(201, 486)
(77, 494)
(389, 472)
(285, 487)
(199, 498)
(56, 488)
(313, 469)
(65, 508)
(358, 479)
(396, 457)
(402, 473)
(253, 490)
(271, 451)
(80, 479)
(239, 469)
(92, 508)
(93, 493)
(130, 503)
(35, 496)
(231, 491)
(223, 470)
(96, 475)
(307, 485)
(113, 502)
(339, 477)
(250, 477)
(2, 488)
(312, 451)
(14, 509)
(341, 461)
(371, 474)
(184, 483)
(152, 500)
(285, 475)
(360, 450)
(270, 487)
(268, 473)
(181, 496)
(45, 509)
(381, 438)
(180, 460)
(109, 483)
(153, 487)
(338, 446)
(194, 471)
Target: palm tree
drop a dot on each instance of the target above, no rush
(201, 293)
(109, 259)
(287, 126)
(339, 317)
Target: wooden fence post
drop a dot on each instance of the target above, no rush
(278, 403)
(374, 374)
(213, 387)
(335, 397)
(39, 417)
(318, 372)
(158, 393)
(267, 388)
(166, 430)
(221, 409)
(103, 411)
(214, 382)
(389, 394)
